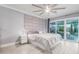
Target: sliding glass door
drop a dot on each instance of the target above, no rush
(52, 27)
(57, 27)
(72, 29)
(67, 28)
(60, 28)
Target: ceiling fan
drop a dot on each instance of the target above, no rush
(47, 8)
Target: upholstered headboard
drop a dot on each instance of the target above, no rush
(33, 32)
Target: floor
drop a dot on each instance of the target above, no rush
(66, 47)
(22, 49)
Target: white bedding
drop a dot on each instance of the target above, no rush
(45, 41)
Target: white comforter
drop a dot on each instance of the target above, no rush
(45, 41)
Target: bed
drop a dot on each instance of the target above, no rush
(44, 41)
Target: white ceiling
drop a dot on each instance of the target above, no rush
(28, 9)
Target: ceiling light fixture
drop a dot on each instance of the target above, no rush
(47, 9)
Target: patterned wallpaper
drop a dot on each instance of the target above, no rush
(32, 23)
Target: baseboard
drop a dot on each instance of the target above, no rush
(6, 45)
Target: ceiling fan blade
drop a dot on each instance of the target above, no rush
(37, 11)
(54, 11)
(58, 8)
(46, 4)
(54, 5)
(37, 6)
(41, 13)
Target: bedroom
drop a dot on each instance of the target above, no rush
(35, 28)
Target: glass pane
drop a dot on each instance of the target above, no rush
(52, 27)
(72, 29)
(60, 28)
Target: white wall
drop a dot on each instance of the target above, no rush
(11, 23)
(66, 16)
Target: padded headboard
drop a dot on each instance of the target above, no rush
(33, 32)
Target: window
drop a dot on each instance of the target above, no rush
(72, 29)
(52, 27)
(67, 28)
(60, 28)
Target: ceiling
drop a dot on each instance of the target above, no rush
(28, 9)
